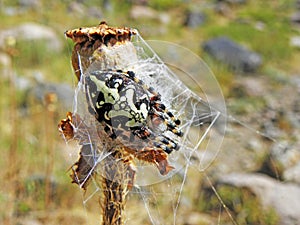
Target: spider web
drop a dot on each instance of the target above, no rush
(189, 90)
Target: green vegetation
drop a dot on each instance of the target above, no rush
(243, 205)
(165, 4)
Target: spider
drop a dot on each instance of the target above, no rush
(132, 114)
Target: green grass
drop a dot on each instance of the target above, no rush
(165, 4)
(247, 105)
(242, 204)
(33, 54)
(272, 42)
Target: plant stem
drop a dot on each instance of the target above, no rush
(50, 99)
(13, 159)
(114, 184)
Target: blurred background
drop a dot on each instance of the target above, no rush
(251, 46)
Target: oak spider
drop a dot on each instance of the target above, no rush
(132, 114)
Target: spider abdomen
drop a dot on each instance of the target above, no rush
(117, 99)
(131, 111)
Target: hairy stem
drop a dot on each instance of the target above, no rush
(115, 189)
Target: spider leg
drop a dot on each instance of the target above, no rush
(132, 76)
(171, 125)
(160, 107)
(170, 120)
(166, 144)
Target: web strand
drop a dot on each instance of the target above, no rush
(203, 123)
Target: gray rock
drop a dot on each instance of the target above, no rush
(64, 93)
(293, 174)
(232, 54)
(296, 82)
(283, 197)
(77, 8)
(295, 18)
(223, 9)
(29, 221)
(30, 4)
(36, 89)
(285, 153)
(287, 157)
(95, 12)
(13, 11)
(22, 83)
(194, 19)
(295, 41)
(143, 12)
(107, 5)
(294, 114)
(250, 86)
(164, 18)
(259, 25)
(270, 120)
(297, 3)
(5, 60)
(196, 218)
(32, 32)
(23, 7)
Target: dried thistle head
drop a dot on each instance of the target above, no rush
(90, 41)
(108, 35)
